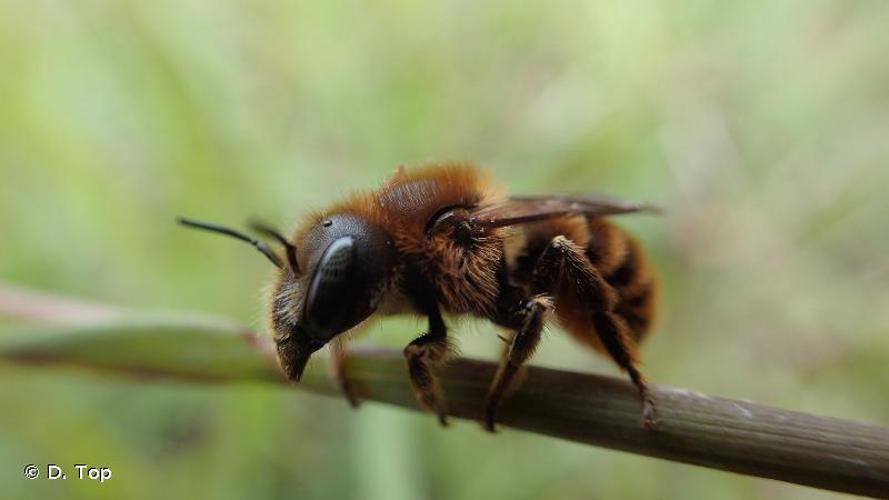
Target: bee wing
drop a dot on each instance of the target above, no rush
(524, 209)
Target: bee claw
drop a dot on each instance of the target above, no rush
(489, 422)
(354, 402)
(649, 416)
(347, 390)
(443, 419)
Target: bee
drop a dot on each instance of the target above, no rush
(443, 240)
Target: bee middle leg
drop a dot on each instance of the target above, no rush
(521, 347)
(423, 354)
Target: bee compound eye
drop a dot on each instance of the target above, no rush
(348, 265)
(332, 289)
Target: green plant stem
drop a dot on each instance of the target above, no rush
(694, 428)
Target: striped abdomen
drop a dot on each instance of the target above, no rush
(616, 256)
(621, 260)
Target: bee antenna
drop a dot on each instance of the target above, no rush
(215, 228)
(271, 232)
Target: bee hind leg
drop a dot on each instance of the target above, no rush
(564, 259)
(423, 354)
(521, 347)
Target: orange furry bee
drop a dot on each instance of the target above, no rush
(441, 239)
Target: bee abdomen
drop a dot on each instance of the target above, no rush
(620, 260)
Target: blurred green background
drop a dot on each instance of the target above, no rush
(763, 127)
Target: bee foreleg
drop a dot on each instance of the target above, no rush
(423, 354)
(564, 261)
(338, 370)
(521, 347)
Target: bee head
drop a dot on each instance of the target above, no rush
(330, 281)
(347, 262)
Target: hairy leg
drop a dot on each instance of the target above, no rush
(566, 262)
(423, 355)
(520, 348)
